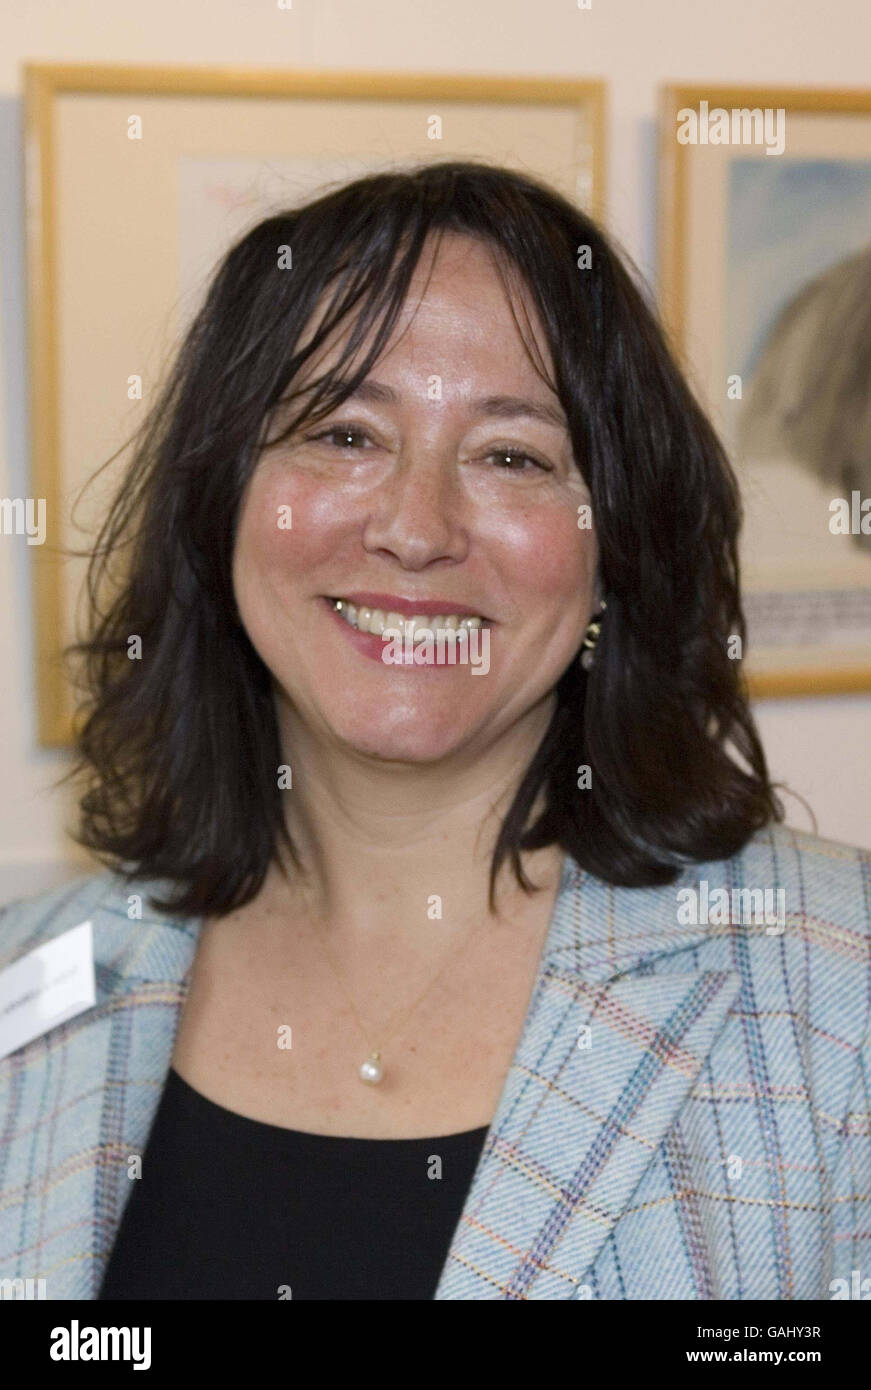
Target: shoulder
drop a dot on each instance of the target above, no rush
(807, 969)
(814, 873)
(824, 886)
(789, 915)
(793, 902)
(820, 891)
(104, 898)
(26, 923)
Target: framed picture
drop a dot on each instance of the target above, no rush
(139, 179)
(765, 286)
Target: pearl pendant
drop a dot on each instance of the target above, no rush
(371, 1072)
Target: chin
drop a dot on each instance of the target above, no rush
(413, 739)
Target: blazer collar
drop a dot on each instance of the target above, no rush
(600, 931)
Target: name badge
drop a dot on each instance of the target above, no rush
(46, 987)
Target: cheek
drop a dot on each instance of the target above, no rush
(287, 524)
(546, 551)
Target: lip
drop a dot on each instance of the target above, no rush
(411, 607)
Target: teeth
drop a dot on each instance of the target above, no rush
(375, 620)
(413, 625)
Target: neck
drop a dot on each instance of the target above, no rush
(387, 842)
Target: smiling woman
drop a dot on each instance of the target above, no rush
(326, 867)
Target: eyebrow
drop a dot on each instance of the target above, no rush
(503, 407)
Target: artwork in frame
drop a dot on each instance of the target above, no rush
(138, 181)
(765, 287)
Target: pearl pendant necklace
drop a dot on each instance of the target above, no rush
(371, 1071)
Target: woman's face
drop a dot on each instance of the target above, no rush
(441, 489)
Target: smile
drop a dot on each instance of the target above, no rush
(376, 621)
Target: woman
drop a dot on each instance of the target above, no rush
(485, 977)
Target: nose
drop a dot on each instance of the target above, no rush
(417, 515)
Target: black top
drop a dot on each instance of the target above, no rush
(231, 1208)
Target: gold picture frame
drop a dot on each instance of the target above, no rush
(109, 216)
(752, 249)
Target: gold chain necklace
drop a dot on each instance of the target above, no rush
(372, 1070)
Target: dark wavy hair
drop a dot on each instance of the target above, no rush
(180, 750)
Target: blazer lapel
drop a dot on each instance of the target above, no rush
(604, 1062)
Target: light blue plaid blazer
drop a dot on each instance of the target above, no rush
(686, 1115)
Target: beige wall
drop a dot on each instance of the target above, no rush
(819, 747)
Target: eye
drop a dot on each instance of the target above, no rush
(345, 433)
(519, 459)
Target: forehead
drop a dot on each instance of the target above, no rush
(462, 310)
